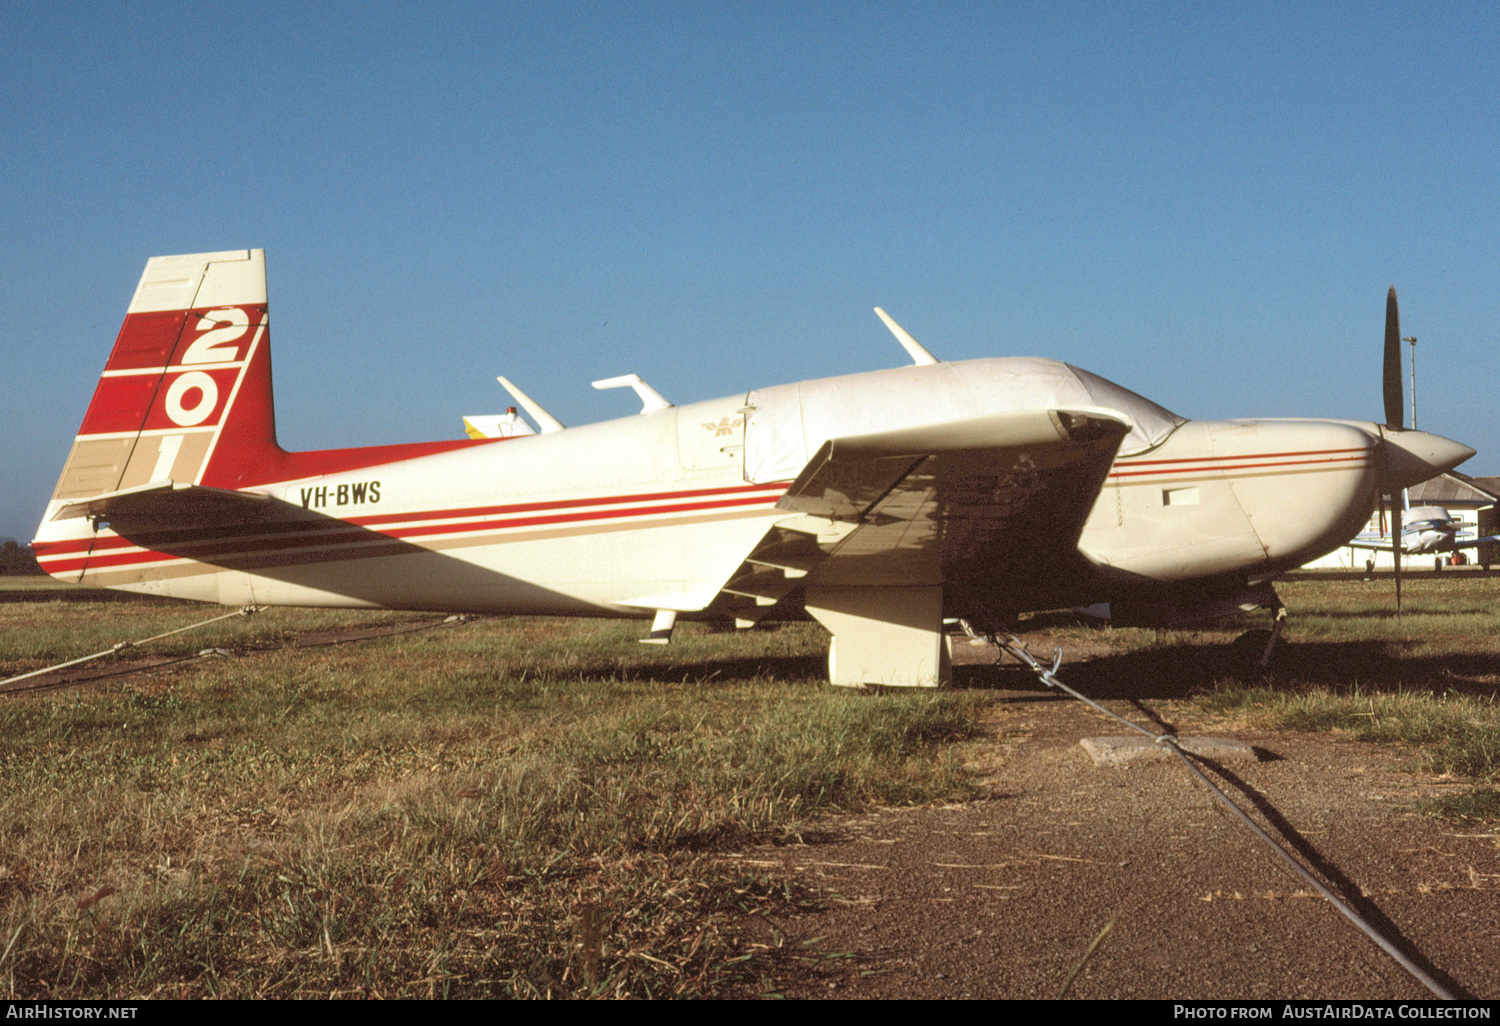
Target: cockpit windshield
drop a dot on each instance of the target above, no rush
(1152, 423)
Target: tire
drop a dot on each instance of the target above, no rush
(1250, 646)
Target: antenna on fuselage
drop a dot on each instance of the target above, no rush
(544, 420)
(651, 399)
(918, 352)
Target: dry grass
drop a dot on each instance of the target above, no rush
(505, 808)
(524, 807)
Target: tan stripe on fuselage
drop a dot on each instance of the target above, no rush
(171, 567)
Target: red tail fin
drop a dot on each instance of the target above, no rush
(189, 376)
(183, 415)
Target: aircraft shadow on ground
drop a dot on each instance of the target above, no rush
(780, 669)
(1173, 671)
(1411, 609)
(1178, 671)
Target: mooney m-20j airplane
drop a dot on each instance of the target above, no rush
(1011, 485)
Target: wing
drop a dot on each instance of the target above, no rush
(1384, 544)
(987, 508)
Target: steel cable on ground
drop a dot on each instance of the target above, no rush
(123, 645)
(1010, 643)
(43, 686)
(204, 654)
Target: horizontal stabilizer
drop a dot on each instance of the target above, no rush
(162, 498)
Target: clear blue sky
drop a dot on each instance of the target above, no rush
(1203, 202)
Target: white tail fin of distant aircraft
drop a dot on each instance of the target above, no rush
(496, 425)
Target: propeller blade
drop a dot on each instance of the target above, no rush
(1395, 401)
(1390, 518)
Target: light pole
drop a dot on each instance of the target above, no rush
(1413, 340)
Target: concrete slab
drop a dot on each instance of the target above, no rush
(1121, 751)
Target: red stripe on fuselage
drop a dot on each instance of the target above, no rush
(274, 464)
(1254, 456)
(1230, 464)
(570, 518)
(58, 557)
(470, 514)
(531, 507)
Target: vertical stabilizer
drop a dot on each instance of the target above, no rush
(185, 397)
(190, 373)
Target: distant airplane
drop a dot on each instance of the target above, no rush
(1425, 530)
(497, 425)
(878, 504)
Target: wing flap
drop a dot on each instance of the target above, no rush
(996, 502)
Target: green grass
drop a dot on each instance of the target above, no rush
(36, 583)
(1452, 734)
(36, 634)
(1426, 682)
(1449, 611)
(1476, 805)
(505, 808)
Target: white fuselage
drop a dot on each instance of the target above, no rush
(656, 511)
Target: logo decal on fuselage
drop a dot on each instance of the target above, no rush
(725, 426)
